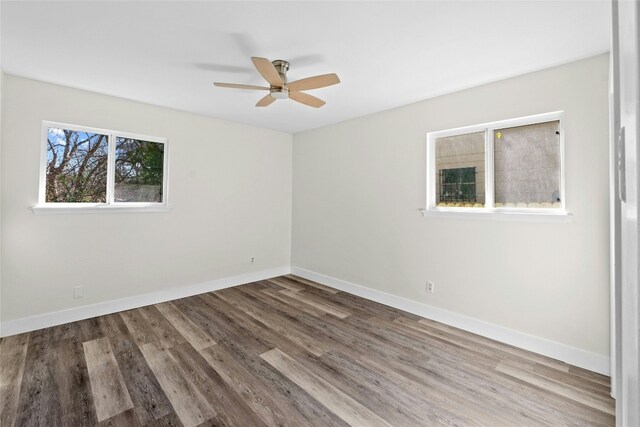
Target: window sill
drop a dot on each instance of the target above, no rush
(499, 214)
(98, 208)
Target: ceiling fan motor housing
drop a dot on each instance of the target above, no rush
(281, 67)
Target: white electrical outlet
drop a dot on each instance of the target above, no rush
(253, 260)
(430, 287)
(78, 292)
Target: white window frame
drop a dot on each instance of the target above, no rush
(44, 207)
(489, 211)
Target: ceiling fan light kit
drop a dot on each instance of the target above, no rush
(275, 73)
(279, 92)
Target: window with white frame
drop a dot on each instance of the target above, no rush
(88, 167)
(511, 166)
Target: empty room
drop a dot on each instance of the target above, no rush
(319, 213)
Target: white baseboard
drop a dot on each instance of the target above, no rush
(585, 359)
(32, 323)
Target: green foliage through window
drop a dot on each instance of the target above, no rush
(139, 169)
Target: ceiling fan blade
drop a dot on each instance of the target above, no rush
(238, 86)
(306, 99)
(314, 82)
(267, 100)
(267, 70)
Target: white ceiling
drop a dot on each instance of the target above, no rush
(387, 54)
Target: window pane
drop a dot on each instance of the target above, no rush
(76, 166)
(139, 170)
(460, 168)
(527, 166)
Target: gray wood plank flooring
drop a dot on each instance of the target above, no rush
(285, 352)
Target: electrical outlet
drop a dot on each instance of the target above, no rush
(78, 292)
(253, 260)
(430, 287)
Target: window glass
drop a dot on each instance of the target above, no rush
(460, 170)
(527, 166)
(138, 171)
(76, 166)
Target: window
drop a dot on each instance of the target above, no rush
(460, 162)
(508, 167)
(139, 170)
(458, 186)
(84, 168)
(76, 166)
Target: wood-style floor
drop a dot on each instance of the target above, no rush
(285, 352)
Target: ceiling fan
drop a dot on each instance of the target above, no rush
(275, 73)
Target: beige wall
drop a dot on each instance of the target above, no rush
(359, 185)
(229, 185)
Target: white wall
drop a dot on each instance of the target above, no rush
(229, 188)
(358, 186)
